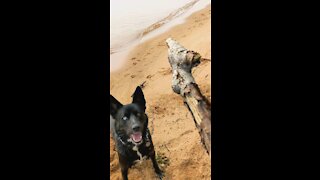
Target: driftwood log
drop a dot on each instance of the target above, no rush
(182, 61)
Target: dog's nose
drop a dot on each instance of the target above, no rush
(136, 128)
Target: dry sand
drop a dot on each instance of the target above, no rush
(173, 130)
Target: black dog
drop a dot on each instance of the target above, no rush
(129, 127)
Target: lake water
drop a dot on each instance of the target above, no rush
(134, 21)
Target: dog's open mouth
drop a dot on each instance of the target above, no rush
(136, 137)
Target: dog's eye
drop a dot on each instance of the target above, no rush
(125, 118)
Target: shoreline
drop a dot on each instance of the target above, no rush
(171, 124)
(161, 26)
(147, 40)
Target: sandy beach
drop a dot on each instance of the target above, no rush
(171, 124)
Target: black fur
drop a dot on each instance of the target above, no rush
(129, 119)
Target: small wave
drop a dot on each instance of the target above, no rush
(167, 19)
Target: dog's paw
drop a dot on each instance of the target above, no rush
(160, 175)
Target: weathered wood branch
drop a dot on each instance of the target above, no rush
(182, 61)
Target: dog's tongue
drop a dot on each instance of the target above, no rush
(136, 137)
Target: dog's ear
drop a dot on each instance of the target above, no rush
(138, 98)
(115, 105)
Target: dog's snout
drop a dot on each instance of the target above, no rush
(136, 128)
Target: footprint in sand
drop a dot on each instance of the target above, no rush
(166, 71)
(133, 76)
(161, 44)
(149, 76)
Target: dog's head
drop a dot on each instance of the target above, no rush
(130, 120)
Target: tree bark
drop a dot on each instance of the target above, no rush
(182, 61)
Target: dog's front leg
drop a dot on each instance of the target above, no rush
(156, 166)
(124, 172)
(124, 167)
